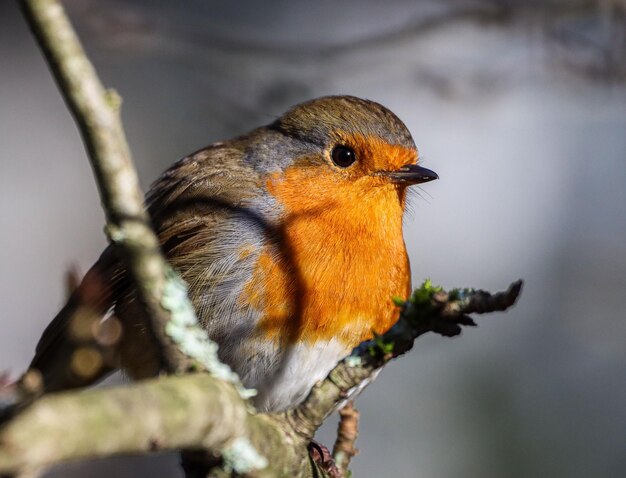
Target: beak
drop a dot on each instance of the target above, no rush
(412, 174)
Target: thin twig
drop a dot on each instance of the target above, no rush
(347, 433)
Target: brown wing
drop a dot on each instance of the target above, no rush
(193, 203)
(187, 205)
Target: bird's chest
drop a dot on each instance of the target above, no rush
(324, 280)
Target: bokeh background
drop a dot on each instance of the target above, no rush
(519, 106)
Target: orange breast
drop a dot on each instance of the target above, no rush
(340, 259)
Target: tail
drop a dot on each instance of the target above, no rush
(69, 354)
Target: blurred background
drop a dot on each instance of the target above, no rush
(519, 106)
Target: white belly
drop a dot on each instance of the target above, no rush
(285, 379)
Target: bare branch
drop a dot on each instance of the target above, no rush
(96, 111)
(347, 433)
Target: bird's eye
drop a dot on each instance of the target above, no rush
(343, 156)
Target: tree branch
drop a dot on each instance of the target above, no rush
(178, 412)
(96, 112)
(347, 433)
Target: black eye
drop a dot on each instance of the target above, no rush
(343, 156)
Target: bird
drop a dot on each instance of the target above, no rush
(289, 239)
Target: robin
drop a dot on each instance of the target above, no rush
(290, 241)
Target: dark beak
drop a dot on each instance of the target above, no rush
(412, 174)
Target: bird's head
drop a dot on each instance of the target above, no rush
(340, 151)
(355, 139)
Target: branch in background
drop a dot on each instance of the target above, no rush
(586, 36)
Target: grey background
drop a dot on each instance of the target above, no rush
(524, 121)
